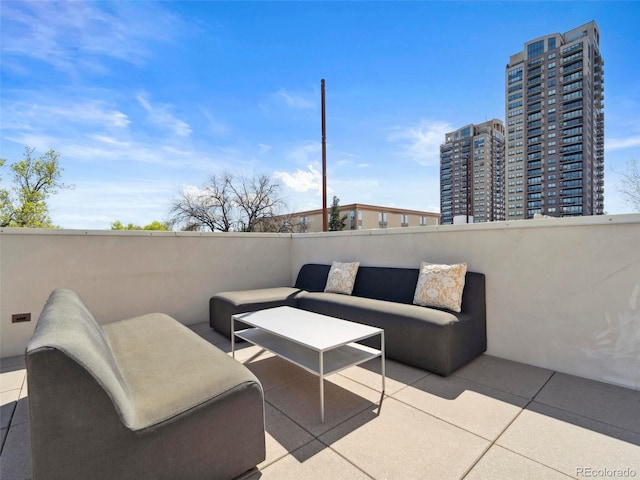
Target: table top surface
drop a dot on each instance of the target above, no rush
(314, 330)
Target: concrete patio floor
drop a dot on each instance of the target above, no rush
(493, 419)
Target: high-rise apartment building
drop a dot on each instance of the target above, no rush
(472, 174)
(555, 126)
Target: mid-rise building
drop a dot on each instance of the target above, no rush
(555, 126)
(364, 217)
(472, 174)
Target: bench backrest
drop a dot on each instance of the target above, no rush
(66, 325)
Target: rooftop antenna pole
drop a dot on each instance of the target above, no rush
(325, 220)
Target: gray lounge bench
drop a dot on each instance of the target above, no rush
(138, 398)
(436, 340)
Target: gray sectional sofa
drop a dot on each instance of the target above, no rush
(139, 398)
(433, 339)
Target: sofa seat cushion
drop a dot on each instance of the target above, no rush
(258, 296)
(156, 356)
(423, 337)
(350, 303)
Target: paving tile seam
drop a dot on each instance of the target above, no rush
(347, 460)
(404, 385)
(617, 427)
(575, 413)
(480, 457)
(491, 387)
(355, 414)
(9, 425)
(317, 437)
(543, 385)
(285, 384)
(444, 420)
(286, 454)
(287, 416)
(529, 402)
(534, 460)
(4, 439)
(540, 402)
(497, 389)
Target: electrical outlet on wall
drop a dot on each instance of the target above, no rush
(20, 317)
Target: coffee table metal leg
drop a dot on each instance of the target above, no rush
(321, 388)
(383, 361)
(233, 338)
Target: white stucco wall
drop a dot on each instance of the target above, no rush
(123, 274)
(562, 294)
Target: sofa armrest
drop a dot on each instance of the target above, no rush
(225, 304)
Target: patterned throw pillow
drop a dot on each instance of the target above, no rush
(440, 286)
(342, 277)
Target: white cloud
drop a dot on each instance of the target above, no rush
(621, 143)
(216, 127)
(421, 142)
(97, 204)
(159, 115)
(302, 180)
(52, 112)
(78, 37)
(306, 153)
(295, 101)
(263, 148)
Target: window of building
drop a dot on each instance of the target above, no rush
(514, 88)
(535, 49)
(514, 76)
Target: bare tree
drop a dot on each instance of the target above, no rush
(258, 199)
(630, 184)
(287, 223)
(227, 203)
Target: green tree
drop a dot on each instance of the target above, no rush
(34, 181)
(155, 225)
(336, 221)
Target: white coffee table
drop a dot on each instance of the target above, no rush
(320, 344)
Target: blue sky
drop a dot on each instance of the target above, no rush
(142, 100)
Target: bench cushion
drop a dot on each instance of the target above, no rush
(157, 356)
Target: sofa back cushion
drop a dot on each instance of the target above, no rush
(391, 284)
(312, 277)
(66, 325)
(379, 283)
(386, 283)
